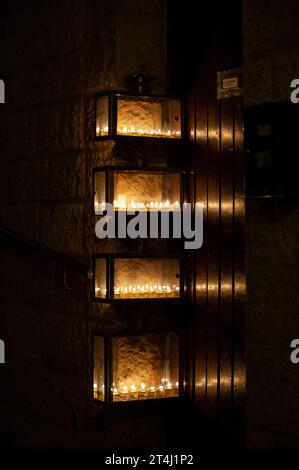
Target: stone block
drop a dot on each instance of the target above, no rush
(23, 219)
(101, 45)
(62, 228)
(23, 86)
(64, 340)
(60, 27)
(67, 177)
(262, 404)
(70, 293)
(19, 135)
(22, 45)
(61, 127)
(141, 40)
(60, 77)
(26, 334)
(268, 24)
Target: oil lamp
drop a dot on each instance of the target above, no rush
(122, 114)
(131, 277)
(137, 189)
(136, 367)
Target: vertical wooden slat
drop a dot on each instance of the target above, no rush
(218, 310)
(213, 246)
(226, 273)
(191, 198)
(201, 263)
(238, 384)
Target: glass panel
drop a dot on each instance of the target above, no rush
(100, 278)
(102, 116)
(99, 368)
(145, 278)
(99, 190)
(145, 367)
(148, 117)
(147, 190)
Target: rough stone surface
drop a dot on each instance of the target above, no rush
(68, 177)
(137, 360)
(272, 323)
(141, 40)
(55, 55)
(271, 41)
(62, 127)
(271, 44)
(63, 228)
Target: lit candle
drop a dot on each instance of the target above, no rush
(160, 392)
(169, 390)
(134, 392)
(142, 391)
(152, 392)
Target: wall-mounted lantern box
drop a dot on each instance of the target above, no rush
(136, 367)
(137, 189)
(119, 114)
(132, 277)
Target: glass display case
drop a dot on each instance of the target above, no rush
(127, 115)
(140, 367)
(137, 189)
(121, 277)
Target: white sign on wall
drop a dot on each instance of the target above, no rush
(2, 92)
(2, 352)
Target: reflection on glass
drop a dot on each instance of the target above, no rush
(148, 117)
(100, 278)
(99, 190)
(145, 367)
(145, 278)
(147, 190)
(102, 116)
(99, 368)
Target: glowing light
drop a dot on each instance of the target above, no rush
(102, 130)
(145, 290)
(145, 132)
(121, 203)
(132, 392)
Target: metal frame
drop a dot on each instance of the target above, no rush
(108, 364)
(113, 96)
(110, 277)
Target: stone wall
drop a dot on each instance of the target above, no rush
(55, 55)
(271, 45)
(270, 30)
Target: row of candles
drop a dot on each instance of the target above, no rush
(133, 205)
(125, 392)
(140, 132)
(147, 290)
(166, 205)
